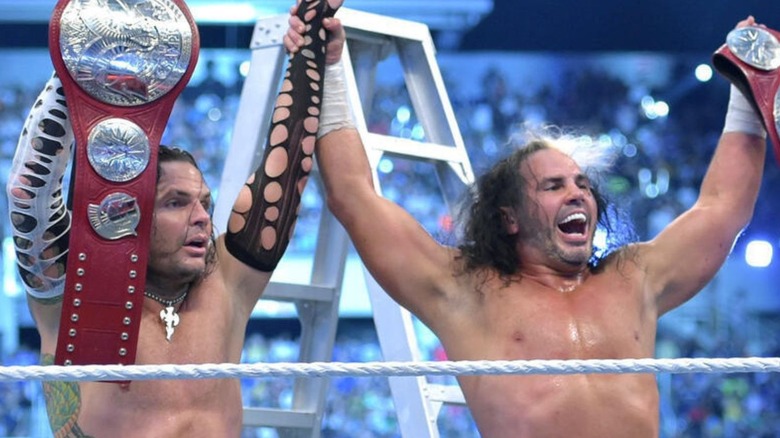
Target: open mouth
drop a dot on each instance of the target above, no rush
(575, 223)
(197, 243)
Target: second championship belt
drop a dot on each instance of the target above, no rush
(750, 60)
(122, 64)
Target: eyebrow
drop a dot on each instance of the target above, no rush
(582, 177)
(181, 193)
(559, 179)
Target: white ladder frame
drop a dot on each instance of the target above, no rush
(417, 402)
(370, 38)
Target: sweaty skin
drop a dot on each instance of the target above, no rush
(555, 306)
(221, 292)
(602, 317)
(213, 320)
(558, 310)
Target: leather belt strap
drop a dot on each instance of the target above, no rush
(750, 60)
(122, 69)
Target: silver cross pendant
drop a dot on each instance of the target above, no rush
(170, 319)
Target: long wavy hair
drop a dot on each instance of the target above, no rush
(485, 241)
(168, 154)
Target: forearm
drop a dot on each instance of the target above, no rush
(263, 217)
(342, 159)
(39, 217)
(345, 170)
(734, 176)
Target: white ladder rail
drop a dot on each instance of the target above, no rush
(370, 38)
(250, 131)
(317, 302)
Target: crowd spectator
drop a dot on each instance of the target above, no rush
(662, 163)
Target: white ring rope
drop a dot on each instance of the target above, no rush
(369, 369)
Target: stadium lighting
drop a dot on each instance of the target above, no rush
(703, 72)
(758, 253)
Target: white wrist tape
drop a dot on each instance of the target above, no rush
(335, 109)
(741, 117)
(39, 217)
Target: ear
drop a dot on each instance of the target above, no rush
(510, 221)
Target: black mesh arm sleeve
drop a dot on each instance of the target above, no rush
(264, 215)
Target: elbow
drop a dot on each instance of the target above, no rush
(338, 204)
(14, 189)
(350, 201)
(748, 217)
(347, 196)
(744, 215)
(12, 185)
(735, 210)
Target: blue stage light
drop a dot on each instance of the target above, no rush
(758, 253)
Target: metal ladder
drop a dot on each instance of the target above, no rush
(370, 39)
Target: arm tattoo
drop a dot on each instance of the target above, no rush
(63, 404)
(264, 215)
(39, 217)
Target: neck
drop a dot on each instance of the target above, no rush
(562, 282)
(167, 290)
(167, 302)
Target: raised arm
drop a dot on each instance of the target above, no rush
(39, 217)
(264, 214)
(406, 261)
(690, 251)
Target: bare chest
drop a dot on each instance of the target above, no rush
(172, 407)
(196, 337)
(596, 320)
(161, 408)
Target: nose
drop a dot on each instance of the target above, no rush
(199, 216)
(576, 194)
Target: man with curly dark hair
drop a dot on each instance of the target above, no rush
(487, 243)
(523, 284)
(200, 290)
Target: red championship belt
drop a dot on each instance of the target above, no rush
(750, 60)
(122, 65)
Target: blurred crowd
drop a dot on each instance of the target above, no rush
(663, 153)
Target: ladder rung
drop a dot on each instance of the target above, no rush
(269, 32)
(415, 149)
(270, 417)
(445, 394)
(292, 292)
(390, 27)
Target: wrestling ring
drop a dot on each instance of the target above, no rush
(388, 369)
(436, 416)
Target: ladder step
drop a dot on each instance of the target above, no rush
(445, 394)
(293, 292)
(383, 26)
(415, 149)
(271, 417)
